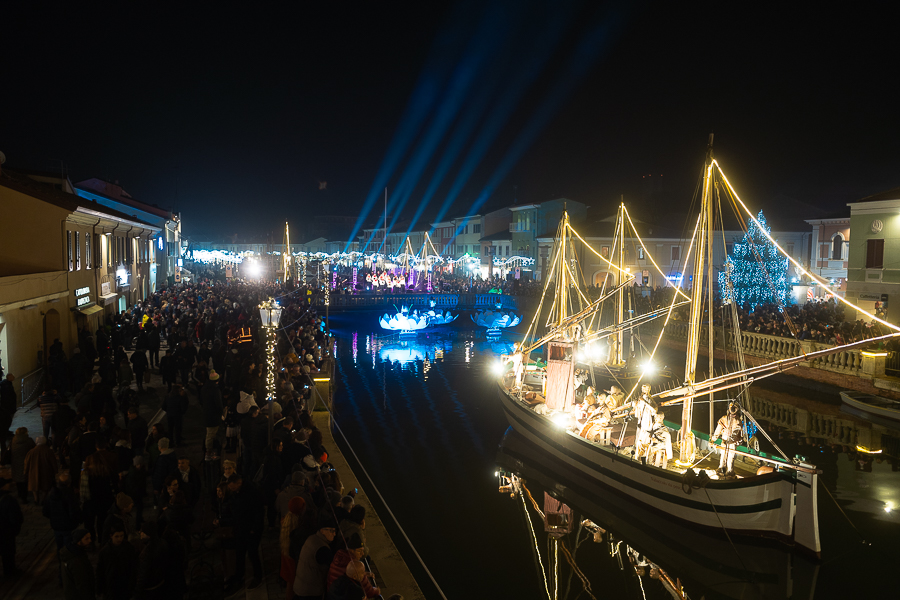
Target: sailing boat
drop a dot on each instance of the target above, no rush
(621, 361)
(768, 496)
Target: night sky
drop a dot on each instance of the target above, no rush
(233, 114)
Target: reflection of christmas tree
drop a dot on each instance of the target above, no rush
(758, 271)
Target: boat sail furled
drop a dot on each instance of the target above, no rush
(759, 495)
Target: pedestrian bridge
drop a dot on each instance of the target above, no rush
(442, 301)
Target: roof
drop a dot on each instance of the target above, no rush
(24, 184)
(892, 194)
(117, 193)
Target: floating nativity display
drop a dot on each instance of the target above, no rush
(495, 320)
(439, 317)
(405, 321)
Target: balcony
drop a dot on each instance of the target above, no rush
(517, 227)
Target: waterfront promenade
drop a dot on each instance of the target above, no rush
(36, 549)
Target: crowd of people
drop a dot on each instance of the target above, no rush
(124, 496)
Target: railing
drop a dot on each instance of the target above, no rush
(32, 386)
(420, 301)
(774, 348)
(892, 364)
(832, 428)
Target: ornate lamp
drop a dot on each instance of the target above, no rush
(270, 314)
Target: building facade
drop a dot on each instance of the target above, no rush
(873, 271)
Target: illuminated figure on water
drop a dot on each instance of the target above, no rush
(439, 317)
(495, 320)
(405, 321)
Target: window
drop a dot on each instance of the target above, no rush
(604, 251)
(640, 252)
(476, 228)
(77, 251)
(676, 253)
(507, 250)
(87, 251)
(466, 229)
(875, 254)
(837, 247)
(69, 245)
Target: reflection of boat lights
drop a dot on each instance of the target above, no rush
(873, 354)
(867, 451)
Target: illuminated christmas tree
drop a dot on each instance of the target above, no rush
(757, 270)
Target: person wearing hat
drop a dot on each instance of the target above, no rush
(247, 512)
(153, 564)
(644, 412)
(117, 565)
(354, 552)
(121, 514)
(78, 574)
(211, 403)
(729, 429)
(315, 559)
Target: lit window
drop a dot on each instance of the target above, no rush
(69, 245)
(77, 251)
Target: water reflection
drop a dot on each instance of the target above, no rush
(423, 416)
(639, 553)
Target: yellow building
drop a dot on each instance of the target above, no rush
(66, 263)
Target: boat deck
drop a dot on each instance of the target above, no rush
(622, 436)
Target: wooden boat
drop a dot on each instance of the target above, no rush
(767, 496)
(867, 406)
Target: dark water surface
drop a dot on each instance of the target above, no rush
(424, 418)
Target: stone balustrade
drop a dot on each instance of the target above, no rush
(770, 347)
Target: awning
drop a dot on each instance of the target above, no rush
(107, 299)
(90, 310)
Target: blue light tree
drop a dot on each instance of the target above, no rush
(758, 271)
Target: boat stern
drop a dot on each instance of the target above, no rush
(806, 519)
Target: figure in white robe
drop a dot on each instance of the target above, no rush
(645, 410)
(729, 429)
(660, 443)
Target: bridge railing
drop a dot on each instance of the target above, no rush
(419, 301)
(772, 347)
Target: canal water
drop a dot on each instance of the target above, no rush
(424, 420)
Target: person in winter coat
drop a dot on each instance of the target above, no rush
(141, 364)
(290, 543)
(153, 563)
(175, 405)
(135, 486)
(41, 466)
(137, 427)
(169, 369)
(153, 343)
(315, 558)
(165, 464)
(11, 520)
(117, 566)
(125, 373)
(121, 514)
(61, 508)
(8, 403)
(19, 449)
(354, 552)
(273, 476)
(211, 403)
(248, 521)
(78, 574)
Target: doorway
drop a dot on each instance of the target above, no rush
(51, 331)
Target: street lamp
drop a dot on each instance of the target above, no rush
(270, 314)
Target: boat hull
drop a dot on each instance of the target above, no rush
(861, 403)
(763, 505)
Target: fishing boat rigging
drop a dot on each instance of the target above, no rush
(620, 439)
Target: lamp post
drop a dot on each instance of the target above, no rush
(270, 314)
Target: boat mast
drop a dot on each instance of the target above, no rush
(620, 278)
(693, 344)
(564, 266)
(709, 285)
